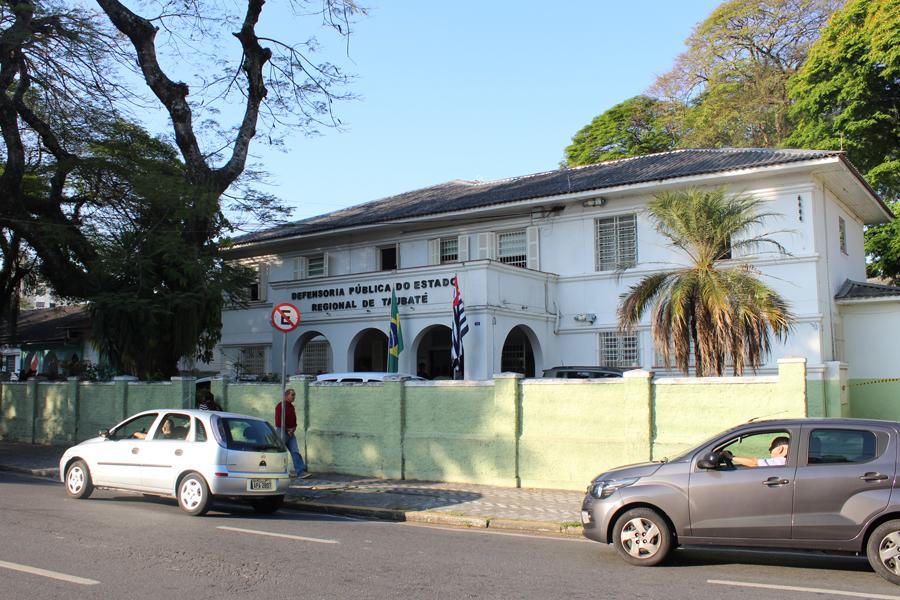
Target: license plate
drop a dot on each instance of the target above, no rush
(261, 485)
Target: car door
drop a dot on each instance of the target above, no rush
(119, 458)
(167, 453)
(844, 477)
(739, 502)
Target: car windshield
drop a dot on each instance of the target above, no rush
(249, 435)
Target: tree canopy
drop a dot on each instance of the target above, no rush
(69, 77)
(847, 95)
(631, 128)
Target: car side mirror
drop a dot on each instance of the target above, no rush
(710, 460)
(104, 433)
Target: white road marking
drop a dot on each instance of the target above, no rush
(791, 588)
(46, 573)
(279, 535)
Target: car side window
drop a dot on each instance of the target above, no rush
(759, 449)
(173, 427)
(135, 428)
(831, 446)
(199, 431)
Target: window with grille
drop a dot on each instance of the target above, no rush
(315, 266)
(616, 243)
(253, 360)
(9, 362)
(314, 359)
(512, 248)
(619, 349)
(449, 250)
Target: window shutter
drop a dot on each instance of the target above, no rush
(434, 251)
(324, 264)
(462, 248)
(487, 245)
(263, 281)
(300, 263)
(533, 236)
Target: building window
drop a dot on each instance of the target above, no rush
(315, 266)
(387, 258)
(842, 234)
(259, 288)
(619, 350)
(252, 361)
(512, 248)
(315, 357)
(449, 250)
(40, 304)
(616, 243)
(9, 362)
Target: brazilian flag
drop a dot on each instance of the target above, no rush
(395, 339)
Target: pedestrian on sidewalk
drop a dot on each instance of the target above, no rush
(290, 427)
(207, 401)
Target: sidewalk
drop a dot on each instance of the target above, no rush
(451, 504)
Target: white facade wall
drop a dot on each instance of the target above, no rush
(565, 283)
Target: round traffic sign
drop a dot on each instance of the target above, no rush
(285, 317)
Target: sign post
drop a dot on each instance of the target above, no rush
(285, 318)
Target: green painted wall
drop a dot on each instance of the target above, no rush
(573, 430)
(461, 431)
(875, 398)
(506, 431)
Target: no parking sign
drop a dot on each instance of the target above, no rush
(285, 317)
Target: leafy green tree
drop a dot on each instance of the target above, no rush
(847, 95)
(631, 128)
(704, 310)
(69, 73)
(729, 88)
(161, 292)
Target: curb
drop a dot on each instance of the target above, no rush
(50, 473)
(390, 514)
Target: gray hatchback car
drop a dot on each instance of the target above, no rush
(806, 484)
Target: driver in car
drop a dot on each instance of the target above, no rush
(778, 450)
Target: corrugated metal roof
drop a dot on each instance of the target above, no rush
(462, 195)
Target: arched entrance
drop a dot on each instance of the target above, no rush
(433, 353)
(518, 353)
(314, 354)
(368, 351)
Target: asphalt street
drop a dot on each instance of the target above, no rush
(118, 545)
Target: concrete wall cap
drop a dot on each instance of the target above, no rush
(125, 378)
(183, 378)
(508, 376)
(637, 373)
(302, 378)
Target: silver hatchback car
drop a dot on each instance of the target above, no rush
(191, 455)
(806, 484)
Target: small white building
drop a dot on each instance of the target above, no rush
(536, 259)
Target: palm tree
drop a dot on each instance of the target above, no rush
(715, 312)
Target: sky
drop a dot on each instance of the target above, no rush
(469, 89)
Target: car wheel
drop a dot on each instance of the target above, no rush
(883, 551)
(193, 495)
(267, 505)
(642, 537)
(78, 480)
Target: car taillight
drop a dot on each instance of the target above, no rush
(221, 474)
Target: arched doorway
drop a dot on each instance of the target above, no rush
(518, 354)
(314, 355)
(369, 351)
(433, 353)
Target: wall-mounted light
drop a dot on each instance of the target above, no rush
(586, 317)
(594, 202)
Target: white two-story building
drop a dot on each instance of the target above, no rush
(538, 259)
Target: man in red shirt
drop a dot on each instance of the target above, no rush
(290, 427)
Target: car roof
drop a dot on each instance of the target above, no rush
(195, 412)
(816, 422)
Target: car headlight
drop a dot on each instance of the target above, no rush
(604, 488)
